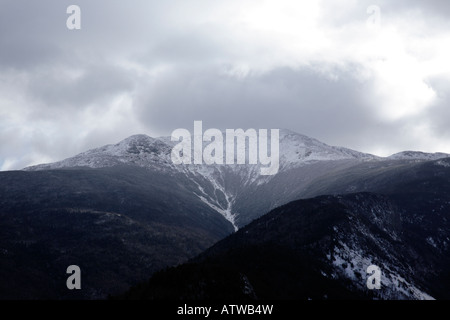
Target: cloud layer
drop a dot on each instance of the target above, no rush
(372, 77)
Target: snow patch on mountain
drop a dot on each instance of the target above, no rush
(140, 150)
(396, 283)
(443, 163)
(214, 203)
(298, 150)
(418, 155)
(352, 264)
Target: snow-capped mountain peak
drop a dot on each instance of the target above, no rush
(220, 185)
(297, 149)
(142, 150)
(212, 181)
(418, 155)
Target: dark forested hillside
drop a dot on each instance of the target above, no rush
(316, 249)
(118, 224)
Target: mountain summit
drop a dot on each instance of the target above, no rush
(228, 189)
(144, 151)
(219, 186)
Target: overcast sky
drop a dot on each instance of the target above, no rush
(368, 75)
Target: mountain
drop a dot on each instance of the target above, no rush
(124, 211)
(147, 152)
(138, 150)
(418, 155)
(230, 189)
(320, 248)
(225, 188)
(119, 225)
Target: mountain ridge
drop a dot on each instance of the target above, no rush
(223, 187)
(140, 144)
(317, 248)
(145, 144)
(296, 150)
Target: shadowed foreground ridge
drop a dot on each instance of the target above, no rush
(314, 249)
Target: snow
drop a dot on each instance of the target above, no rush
(226, 212)
(418, 155)
(295, 150)
(431, 242)
(350, 263)
(248, 288)
(396, 282)
(299, 150)
(443, 163)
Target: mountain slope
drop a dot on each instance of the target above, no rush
(118, 224)
(312, 249)
(418, 155)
